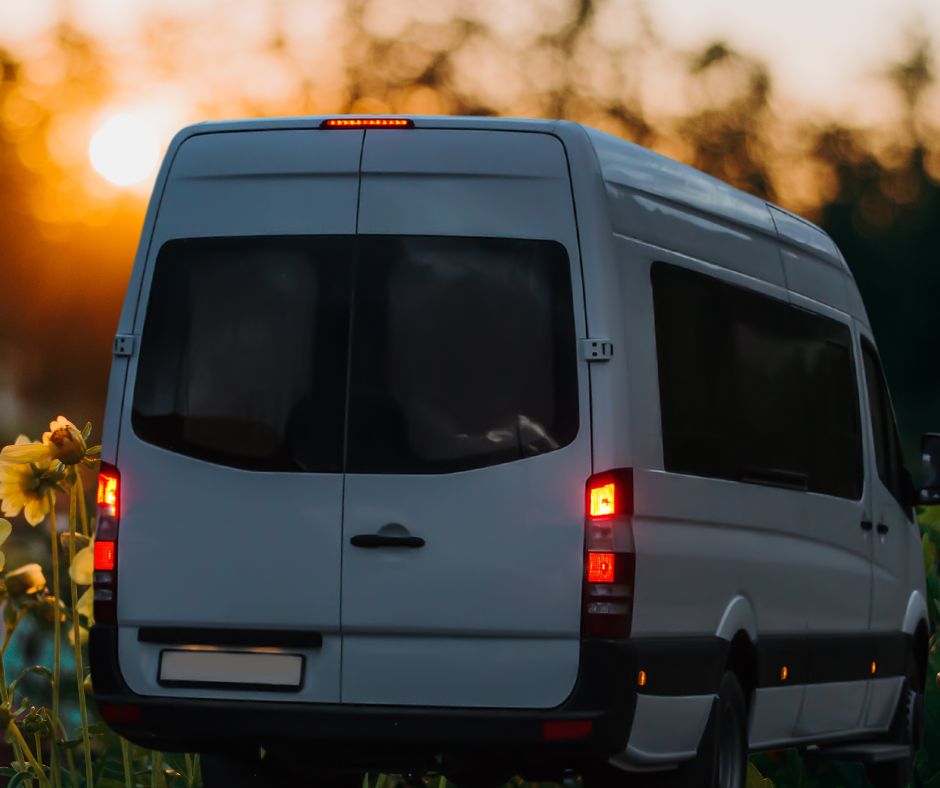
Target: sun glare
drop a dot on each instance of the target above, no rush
(124, 150)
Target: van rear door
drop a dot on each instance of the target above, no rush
(231, 442)
(468, 440)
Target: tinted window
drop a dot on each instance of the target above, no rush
(243, 358)
(463, 354)
(753, 388)
(888, 457)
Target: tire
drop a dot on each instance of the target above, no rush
(906, 728)
(721, 761)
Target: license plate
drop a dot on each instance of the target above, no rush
(230, 669)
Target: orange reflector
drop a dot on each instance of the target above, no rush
(603, 500)
(874, 667)
(108, 490)
(566, 729)
(784, 673)
(641, 678)
(104, 556)
(600, 567)
(367, 123)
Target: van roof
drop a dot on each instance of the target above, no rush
(621, 162)
(629, 166)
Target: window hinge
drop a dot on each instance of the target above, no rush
(124, 345)
(597, 349)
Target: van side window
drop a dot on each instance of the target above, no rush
(754, 389)
(464, 353)
(888, 455)
(243, 354)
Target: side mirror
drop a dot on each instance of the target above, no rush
(929, 494)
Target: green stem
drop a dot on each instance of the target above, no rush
(73, 772)
(57, 636)
(125, 754)
(18, 738)
(82, 511)
(76, 493)
(190, 776)
(38, 740)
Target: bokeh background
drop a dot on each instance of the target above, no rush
(830, 108)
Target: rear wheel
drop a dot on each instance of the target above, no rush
(721, 761)
(906, 728)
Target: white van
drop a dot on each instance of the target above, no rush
(481, 446)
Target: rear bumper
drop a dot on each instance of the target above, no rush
(604, 695)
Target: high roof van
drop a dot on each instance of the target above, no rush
(477, 447)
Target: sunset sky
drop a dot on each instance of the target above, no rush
(91, 92)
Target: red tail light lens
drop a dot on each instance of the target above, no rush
(609, 494)
(104, 556)
(367, 123)
(108, 484)
(603, 500)
(106, 534)
(600, 567)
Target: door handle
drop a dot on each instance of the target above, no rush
(382, 540)
(882, 529)
(866, 525)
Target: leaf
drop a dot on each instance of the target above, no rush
(86, 431)
(755, 779)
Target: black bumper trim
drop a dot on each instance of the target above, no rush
(604, 693)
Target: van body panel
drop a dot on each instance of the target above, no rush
(262, 183)
(667, 729)
(631, 165)
(686, 526)
(284, 529)
(820, 280)
(774, 717)
(674, 226)
(496, 184)
(405, 613)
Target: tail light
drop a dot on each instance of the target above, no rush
(609, 561)
(109, 496)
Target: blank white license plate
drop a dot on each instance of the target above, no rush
(231, 669)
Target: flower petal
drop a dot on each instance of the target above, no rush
(82, 568)
(86, 604)
(36, 510)
(6, 527)
(20, 453)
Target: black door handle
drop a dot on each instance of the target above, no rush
(882, 529)
(866, 525)
(381, 540)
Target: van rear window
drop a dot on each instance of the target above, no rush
(462, 353)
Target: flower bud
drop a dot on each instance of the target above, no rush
(65, 442)
(45, 608)
(24, 582)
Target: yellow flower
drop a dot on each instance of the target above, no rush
(26, 486)
(66, 444)
(63, 442)
(25, 451)
(82, 633)
(5, 528)
(83, 565)
(86, 605)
